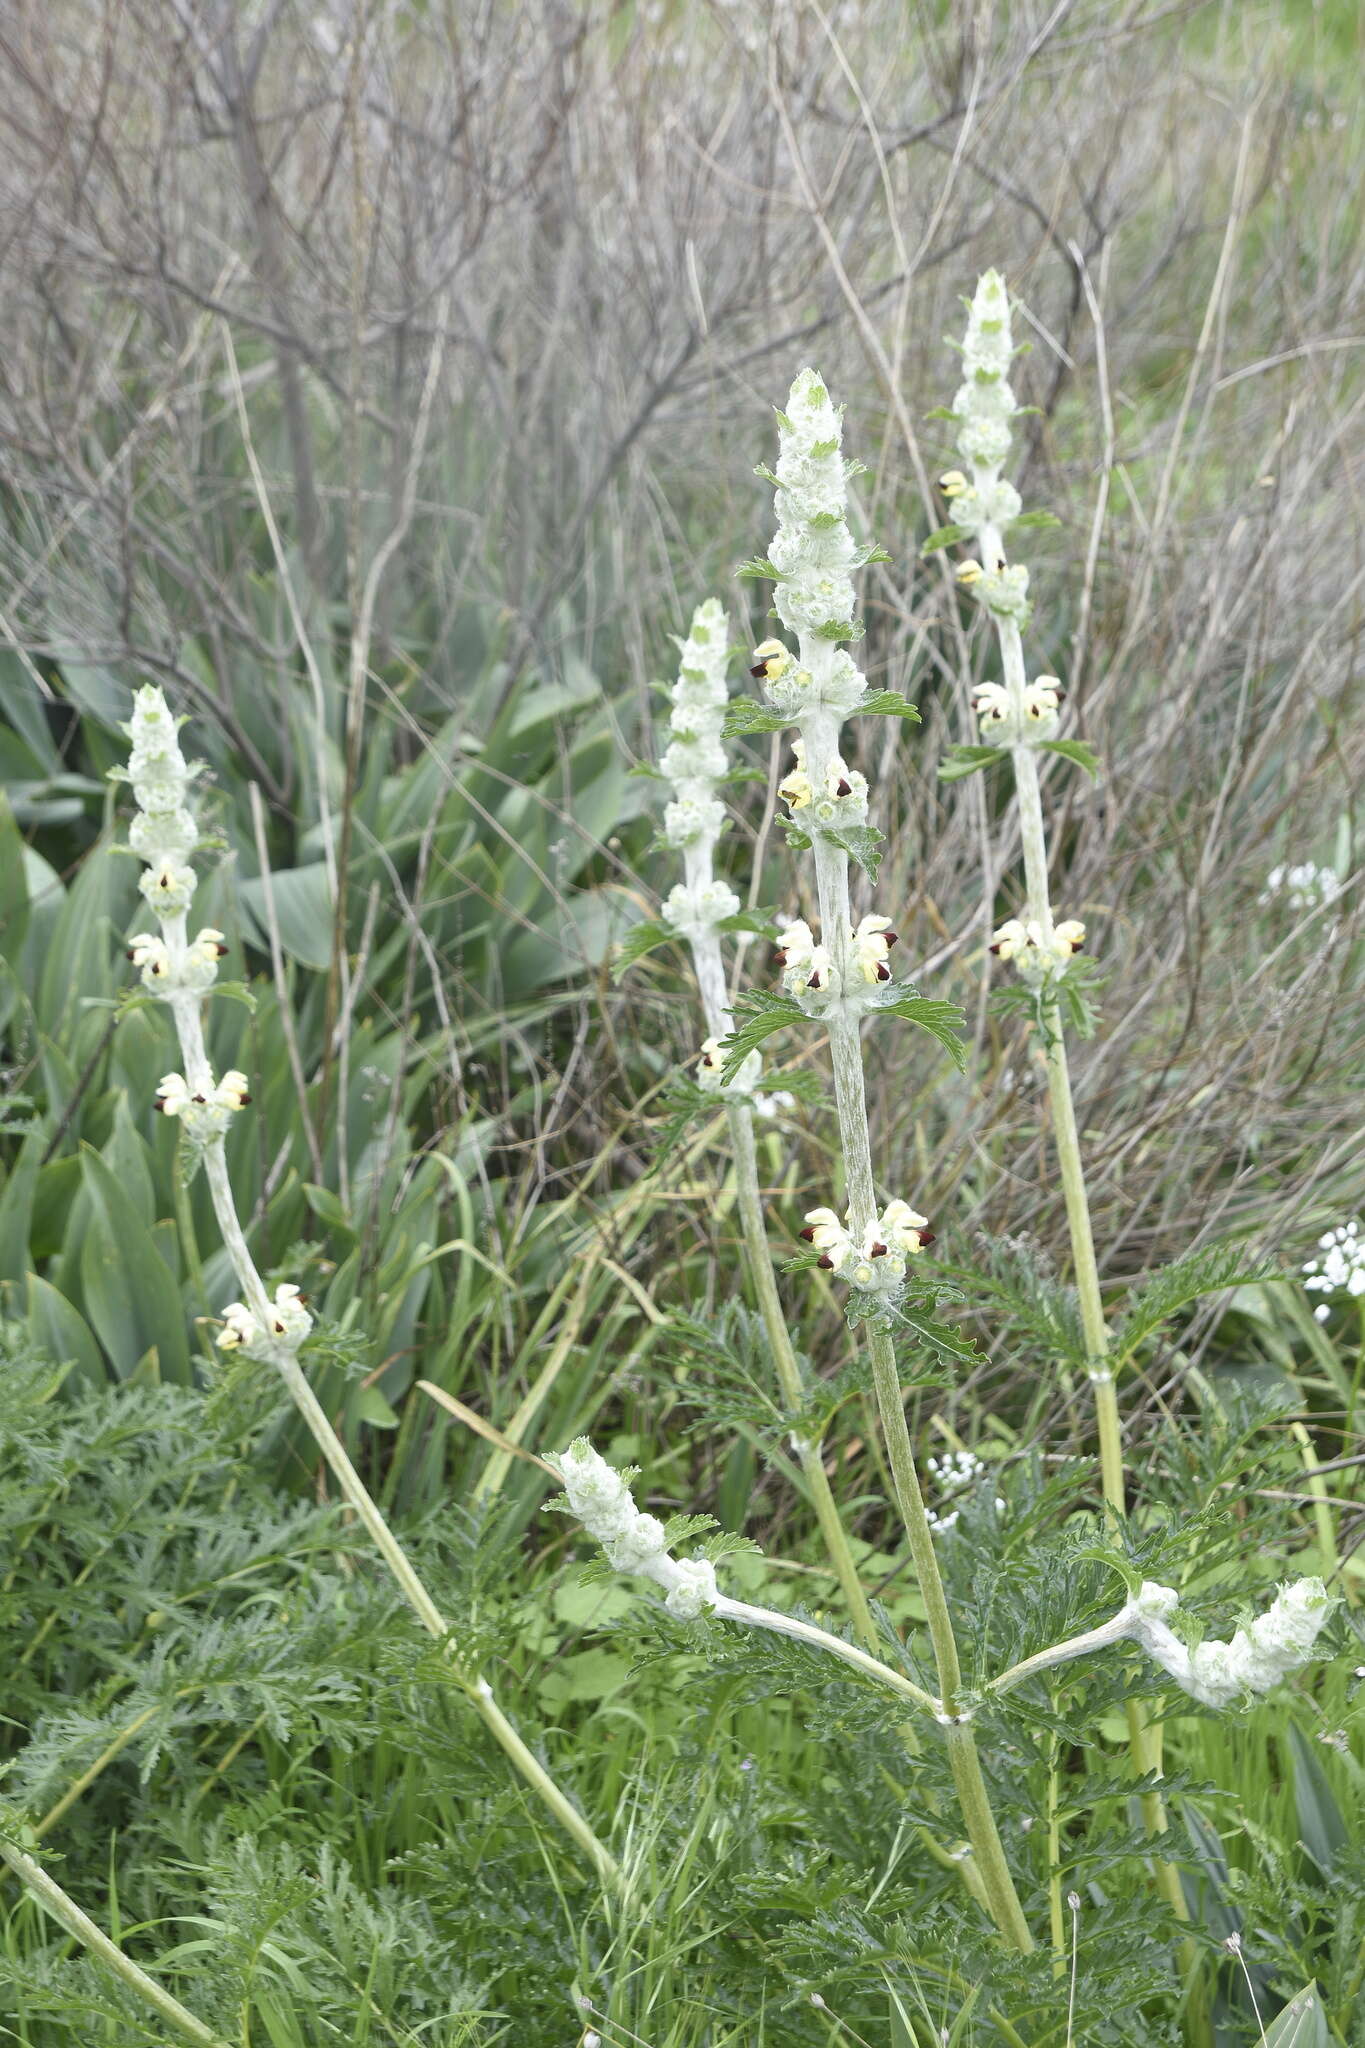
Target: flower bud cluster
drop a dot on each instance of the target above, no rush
(985, 404)
(840, 801)
(1029, 947)
(808, 968)
(1304, 886)
(1268, 1649)
(813, 552)
(876, 1263)
(287, 1325)
(694, 760)
(634, 1542)
(1008, 723)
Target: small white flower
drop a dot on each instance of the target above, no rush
(1341, 1267)
(699, 758)
(152, 959)
(162, 835)
(711, 1063)
(290, 1321)
(1303, 886)
(240, 1330)
(993, 706)
(172, 1094)
(873, 939)
(693, 818)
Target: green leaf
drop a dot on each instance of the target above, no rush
(16, 1208)
(759, 567)
(749, 921)
(130, 1297)
(962, 761)
(943, 1021)
(886, 704)
(642, 938)
(1075, 750)
(1209, 1271)
(1302, 2024)
(760, 1014)
(1322, 1830)
(840, 629)
(941, 1338)
(861, 843)
(368, 1405)
(303, 913)
(743, 716)
(942, 412)
(59, 1330)
(13, 885)
(944, 537)
(1033, 520)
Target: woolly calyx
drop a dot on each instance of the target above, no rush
(167, 888)
(601, 1499)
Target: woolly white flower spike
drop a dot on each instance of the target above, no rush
(162, 837)
(290, 1321)
(156, 767)
(691, 819)
(1276, 1643)
(814, 556)
(634, 1542)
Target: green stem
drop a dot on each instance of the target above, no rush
(809, 1450)
(189, 1028)
(69, 1915)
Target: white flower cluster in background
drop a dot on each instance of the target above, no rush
(1033, 719)
(808, 969)
(1268, 1649)
(1029, 948)
(634, 1542)
(877, 1262)
(951, 1473)
(1302, 887)
(1340, 1268)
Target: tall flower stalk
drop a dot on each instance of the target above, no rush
(1021, 716)
(181, 971)
(840, 978)
(699, 909)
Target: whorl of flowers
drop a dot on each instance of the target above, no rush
(875, 1263)
(601, 1499)
(288, 1324)
(1006, 723)
(808, 970)
(1268, 1649)
(1031, 950)
(841, 800)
